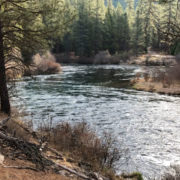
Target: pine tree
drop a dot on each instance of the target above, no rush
(109, 28)
(130, 10)
(148, 13)
(22, 30)
(138, 41)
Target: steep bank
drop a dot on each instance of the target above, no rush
(25, 155)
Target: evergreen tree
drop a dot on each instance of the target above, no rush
(21, 30)
(109, 28)
(138, 41)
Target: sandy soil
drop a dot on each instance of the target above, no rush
(22, 174)
(15, 174)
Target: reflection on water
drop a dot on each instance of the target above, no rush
(147, 125)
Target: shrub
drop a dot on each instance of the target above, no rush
(103, 57)
(146, 77)
(84, 145)
(45, 64)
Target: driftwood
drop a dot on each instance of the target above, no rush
(55, 152)
(73, 172)
(20, 167)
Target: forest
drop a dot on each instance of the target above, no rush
(109, 25)
(89, 89)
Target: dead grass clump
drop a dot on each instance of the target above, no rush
(46, 64)
(83, 144)
(16, 128)
(167, 78)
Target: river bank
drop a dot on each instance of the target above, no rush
(156, 87)
(153, 59)
(104, 57)
(102, 97)
(17, 164)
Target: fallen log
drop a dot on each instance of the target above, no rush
(83, 176)
(20, 167)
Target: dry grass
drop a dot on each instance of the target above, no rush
(157, 87)
(17, 174)
(83, 145)
(3, 116)
(164, 82)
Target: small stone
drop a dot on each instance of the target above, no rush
(1, 159)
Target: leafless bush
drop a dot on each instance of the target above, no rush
(83, 144)
(167, 78)
(103, 57)
(45, 64)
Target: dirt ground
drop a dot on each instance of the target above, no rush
(16, 174)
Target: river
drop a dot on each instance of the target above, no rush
(146, 125)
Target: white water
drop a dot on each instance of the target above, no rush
(147, 125)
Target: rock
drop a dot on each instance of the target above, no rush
(97, 176)
(1, 159)
(63, 173)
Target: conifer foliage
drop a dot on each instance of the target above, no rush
(118, 26)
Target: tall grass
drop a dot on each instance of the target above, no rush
(83, 144)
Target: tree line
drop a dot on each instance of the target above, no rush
(86, 27)
(100, 25)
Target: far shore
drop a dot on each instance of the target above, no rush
(156, 87)
(103, 57)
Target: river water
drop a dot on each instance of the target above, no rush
(146, 125)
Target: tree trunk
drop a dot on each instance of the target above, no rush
(4, 97)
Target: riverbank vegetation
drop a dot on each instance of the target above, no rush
(105, 25)
(71, 152)
(96, 31)
(84, 31)
(165, 81)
